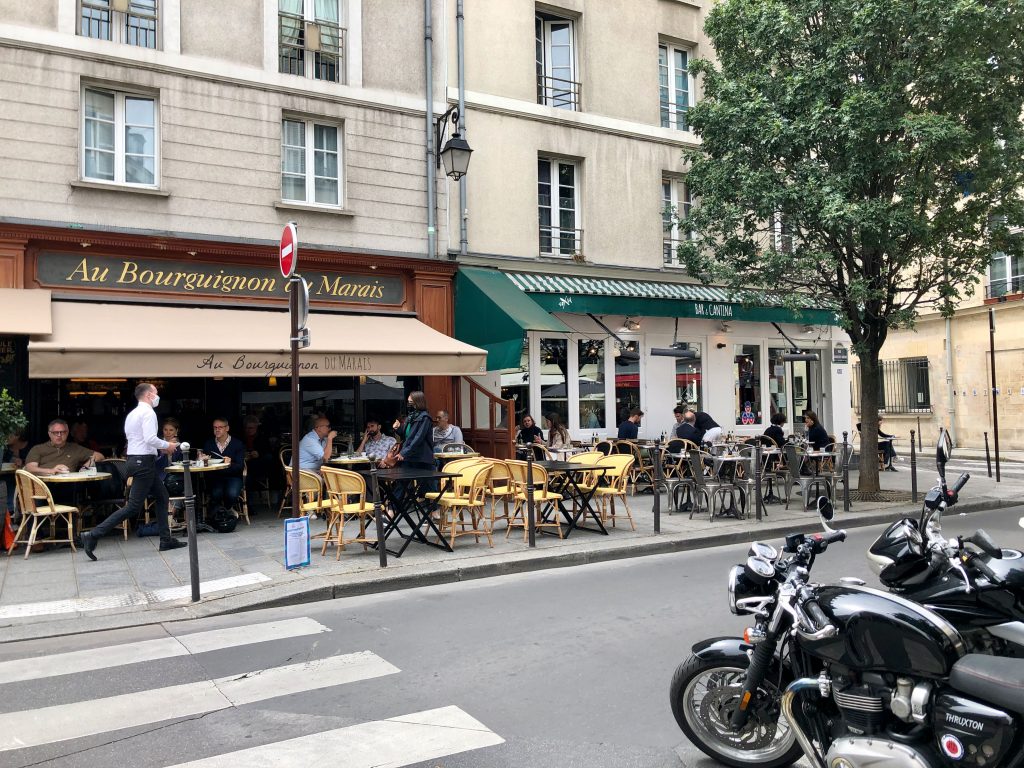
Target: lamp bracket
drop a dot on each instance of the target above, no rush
(439, 129)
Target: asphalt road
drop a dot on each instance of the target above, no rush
(559, 668)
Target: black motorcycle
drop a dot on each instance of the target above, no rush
(846, 675)
(980, 590)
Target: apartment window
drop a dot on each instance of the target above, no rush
(311, 40)
(746, 371)
(903, 386)
(310, 163)
(781, 236)
(133, 22)
(558, 207)
(1005, 275)
(674, 86)
(557, 84)
(675, 206)
(119, 137)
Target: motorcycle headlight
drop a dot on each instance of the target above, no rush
(735, 574)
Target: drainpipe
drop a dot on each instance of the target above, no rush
(461, 51)
(428, 55)
(949, 380)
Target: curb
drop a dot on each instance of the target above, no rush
(318, 589)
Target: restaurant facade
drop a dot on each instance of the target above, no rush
(89, 313)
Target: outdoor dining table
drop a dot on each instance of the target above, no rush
(409, 506)
(350, 461)
(725, 468)
(78, 479)
(571, 474)
(195, 467)
(446, 457)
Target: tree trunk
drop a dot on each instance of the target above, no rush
(870, 382)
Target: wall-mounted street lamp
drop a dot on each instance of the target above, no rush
(455, 154)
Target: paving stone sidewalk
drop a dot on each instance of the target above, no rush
(57, 592)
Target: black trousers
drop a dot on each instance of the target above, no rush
(142, 471)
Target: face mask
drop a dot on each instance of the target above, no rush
(410, 407)
(156, 400)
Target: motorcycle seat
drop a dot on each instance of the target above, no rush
(994, 679)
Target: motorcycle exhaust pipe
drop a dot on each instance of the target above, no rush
(798, 686)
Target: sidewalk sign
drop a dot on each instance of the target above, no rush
(296, 542)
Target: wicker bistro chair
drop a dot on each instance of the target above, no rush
(311, 500)
(241, 505)
(617, 479)
(796, 461)
(454, 509)
(347, 493)
(499, 486)
(543, 498)
(285, 456)
(38, 508)
(604, 447)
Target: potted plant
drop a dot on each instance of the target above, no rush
(12, 417)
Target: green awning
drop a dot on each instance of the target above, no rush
(603, 296)
(492, 313)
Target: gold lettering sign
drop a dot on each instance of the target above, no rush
(60, 270)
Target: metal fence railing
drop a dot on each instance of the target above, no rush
(558, 92)
(997, 288)
(904, 386)
(561, 242)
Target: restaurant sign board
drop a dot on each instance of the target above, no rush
(142, 275)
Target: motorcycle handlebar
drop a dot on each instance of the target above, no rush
(829, 537)
(980, 565)
(816, 615)
(961, 482)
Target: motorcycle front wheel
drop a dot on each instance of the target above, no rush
(705, 693)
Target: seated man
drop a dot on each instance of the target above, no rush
(687, 430)
(58, 455)
(630, 428)
(375, 443)
(886, 451)
(225, 485)
(445, 432)
(677, 413)
(316, 446)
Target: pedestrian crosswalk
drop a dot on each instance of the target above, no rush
(399, 740)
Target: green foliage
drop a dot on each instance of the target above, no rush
(12, 416)
(858, 124)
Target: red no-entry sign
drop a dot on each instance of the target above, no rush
(289, 253)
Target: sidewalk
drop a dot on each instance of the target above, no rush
(57, 592)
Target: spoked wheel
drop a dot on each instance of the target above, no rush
(704, 695)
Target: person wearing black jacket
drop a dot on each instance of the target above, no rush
(775, 430)
(417, 435)
(709, 429)
(687, 430)
(817, 437)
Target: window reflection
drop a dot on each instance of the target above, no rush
(747, 378)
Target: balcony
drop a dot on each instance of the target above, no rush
(558, 92)
(557, 241)
(1001, 290)
(670, 252)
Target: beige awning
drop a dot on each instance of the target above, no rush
(132, 340)
(25, 311)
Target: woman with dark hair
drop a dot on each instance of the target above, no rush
(558, 435)
(816, 434)
(416, 434)
(529, 432)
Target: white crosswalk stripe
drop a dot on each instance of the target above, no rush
(46, 725)
(390, 743)
(396, 741)
(93, 659)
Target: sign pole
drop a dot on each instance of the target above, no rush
(289, 259)
(190, 522)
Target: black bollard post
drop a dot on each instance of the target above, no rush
(846, 471)
(657, 484)
(988, 456)
(920, 447)
(190, 522)
(530, 518)
(758, 500)
(378, 516)
(913, 468)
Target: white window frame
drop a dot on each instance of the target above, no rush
(546, 93)
(782, 240)
(119, 137)
(572, 381)
(310, 161)
(679, 203)
(668, 72)
(1010, 284)
(554, 208)
(309, 67)
(119, 23)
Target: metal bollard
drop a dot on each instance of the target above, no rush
(920, 447)
(378, 516)
(530, 513)
(190, 522)
(758, 500)
(657, 484)
(846, 471)
(913, 468)
(988, 456)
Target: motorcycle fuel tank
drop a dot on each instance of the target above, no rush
(879, 632)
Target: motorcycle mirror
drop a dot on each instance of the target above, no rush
(943, 450)
(826, 512)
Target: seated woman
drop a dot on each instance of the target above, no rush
(775, 430)
(558, 435)
(173, 482)
(529, 432)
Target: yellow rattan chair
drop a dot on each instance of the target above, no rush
(38, 508)
(342, 486)
(454, 509)
(616, 478)
(545, 501)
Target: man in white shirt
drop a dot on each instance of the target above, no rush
(143, 446)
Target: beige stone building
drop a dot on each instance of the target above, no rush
(940, 373)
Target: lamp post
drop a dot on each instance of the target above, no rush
(455, 153)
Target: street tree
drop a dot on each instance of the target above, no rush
(859, 155)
